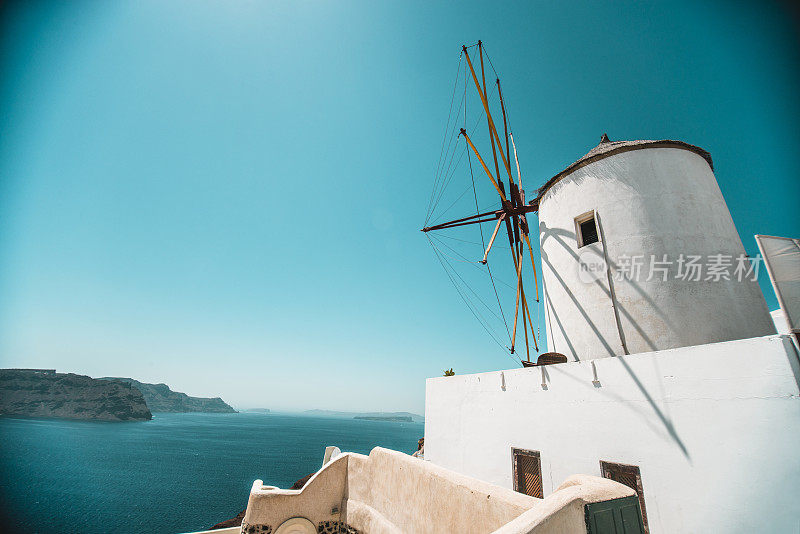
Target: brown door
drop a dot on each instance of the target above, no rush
(527, 467)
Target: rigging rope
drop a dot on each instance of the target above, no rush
(471, 242)
(485, 53)
(441, 215)
(466, 300)
(445, 172)
(444, 138)
(466, 284)
(483, 244)
(450, 174)
(460, 258)
(477, 264)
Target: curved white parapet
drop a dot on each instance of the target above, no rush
(319, 501)
(389, 492)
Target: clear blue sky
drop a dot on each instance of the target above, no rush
(227, 196)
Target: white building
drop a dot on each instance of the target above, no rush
(648, 207)
(677, 385)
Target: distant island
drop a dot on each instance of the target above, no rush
(375, 416)
(395, 418)
(160, 398)
(256, 410)
(46, 393)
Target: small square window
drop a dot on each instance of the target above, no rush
(527, 466)
(586, 229)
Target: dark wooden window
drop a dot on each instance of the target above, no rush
(527, 466)
(588, 231)
(630, 476)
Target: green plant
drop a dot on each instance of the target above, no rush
(449, 372)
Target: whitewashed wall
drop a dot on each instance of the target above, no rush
(714, 429)
(652, 201)
(780, 321)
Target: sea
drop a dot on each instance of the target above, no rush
(177, 473)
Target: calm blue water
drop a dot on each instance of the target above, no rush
(176, 473)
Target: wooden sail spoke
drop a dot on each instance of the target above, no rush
(518, 265)
(505, 118)
(491, 241)
(533, 265)
(485, 168)
(526, 310)
(489, 122)
(472, 219)
(516, 160)
(453, 225)
(515, 193)
(525, 329)
(492, 128)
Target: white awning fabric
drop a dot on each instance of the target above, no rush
(782, 259)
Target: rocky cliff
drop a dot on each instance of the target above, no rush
(45, 393)
(160, 398)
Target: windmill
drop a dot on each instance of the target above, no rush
(512, 208)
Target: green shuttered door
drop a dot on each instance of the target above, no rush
(617, 516)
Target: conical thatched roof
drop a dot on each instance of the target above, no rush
(607, 148)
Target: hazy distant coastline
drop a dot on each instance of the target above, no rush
(392, 418)
(375, 416)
